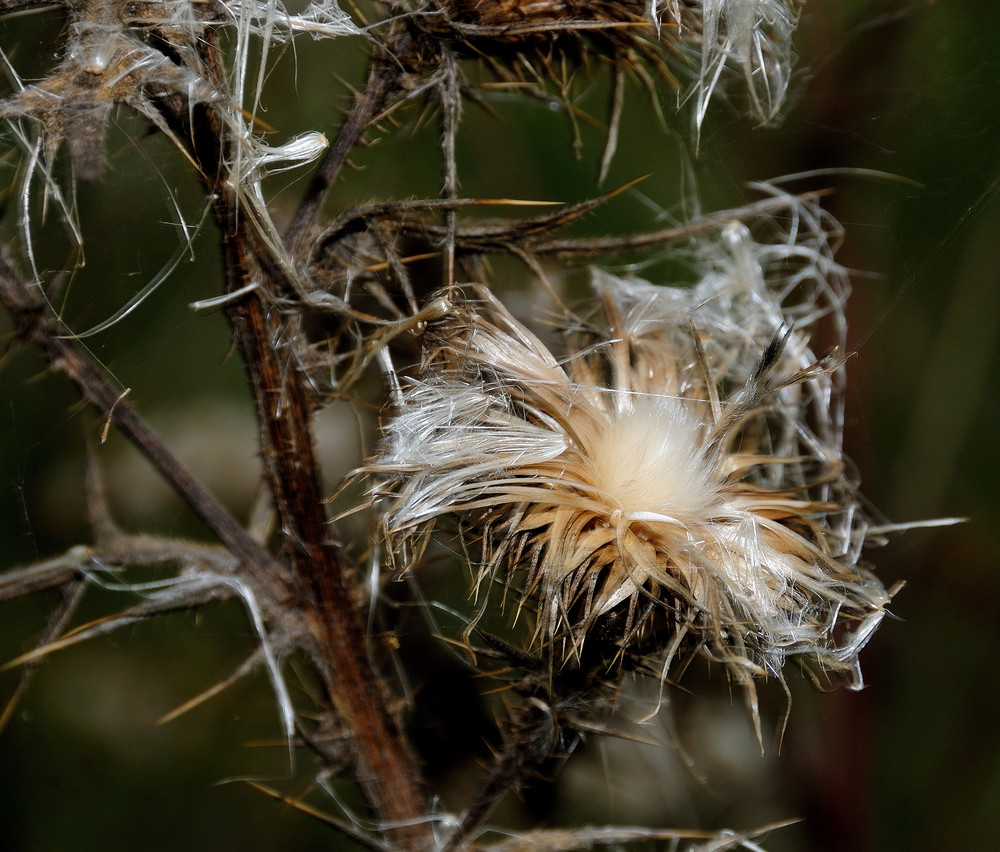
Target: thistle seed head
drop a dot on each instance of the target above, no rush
(681, 459)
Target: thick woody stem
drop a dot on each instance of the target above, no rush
(321, 586)
(320, 579)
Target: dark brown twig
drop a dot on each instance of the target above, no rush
(320, 577)
(387, 772)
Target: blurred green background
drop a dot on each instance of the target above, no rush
(908, 89)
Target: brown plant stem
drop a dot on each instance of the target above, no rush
(606, 246)
(321, 588)
(531, 235)
(529, 748)
(320, 578)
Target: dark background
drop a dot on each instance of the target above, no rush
(910, 90)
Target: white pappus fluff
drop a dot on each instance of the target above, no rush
(752, 36)
(682, 458)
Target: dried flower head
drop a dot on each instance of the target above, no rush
(683, 459)
(751, 36)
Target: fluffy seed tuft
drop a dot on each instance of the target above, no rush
(680, 465)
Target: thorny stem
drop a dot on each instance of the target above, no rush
(528, 239)
(528, 236)
(531, 747)
(605, 246)
(507, 772)
(386, 769)
(321, 580)
(382, 82)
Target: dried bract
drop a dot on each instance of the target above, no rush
(683, 459)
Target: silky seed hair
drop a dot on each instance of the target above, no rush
(682, 458)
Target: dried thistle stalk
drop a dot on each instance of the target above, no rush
(678, 463)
